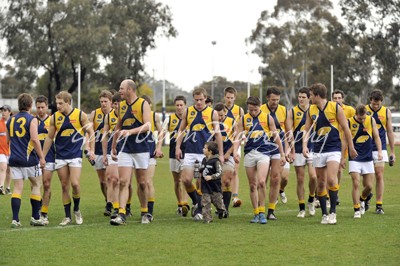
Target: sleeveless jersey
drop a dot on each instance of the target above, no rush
(112, 119)
(258, 134)
(21, 145)
(173, 128)
(326, 136)
(348, 110)
(279, 116)
(70, 134)
(98, 125)
(362, 138)
(380, 117)
(299, 121)
(131, 116)
(233, 112)
(152, 137)
(43, 126)
(200, 129)
(226, 128)
(4, 148)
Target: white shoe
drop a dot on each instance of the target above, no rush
(301, 214)
(15, 224)
(316, 203)
(311, 208)
(328, 204)
(38, 222)
(332, 218)
(325, 219)
(283, 197)
(198, 217)
(362, 207)
(45, 219)
(78, 217)
(147, 218)
(65, 221)
(357, 215)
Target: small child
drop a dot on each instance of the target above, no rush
(211, 173)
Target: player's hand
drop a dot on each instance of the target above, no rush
(380, 156)
(207, 177)
(306, 152)
(124, 133)
(343, 163)
(92, 156)
(394, 157)
(236, 157)
(114, 155)
(42, 163)
(158, 153)
(226, 157)
(353, 153)
(105, 160)
(221, 159)
(178, 154)
(282, 160)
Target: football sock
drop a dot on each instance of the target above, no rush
(35, 203)
(356, 207)
(77, 200)
(15, 205)
(193, 195)
(226, 196)
(322, 200)
(67, 210)
(44, 210)
(333, 194)
(311, 198)
(143, 211)
(150, 205)
(302, 205)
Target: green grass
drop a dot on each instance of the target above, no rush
(176, 240)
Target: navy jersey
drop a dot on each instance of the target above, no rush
(233, 112)
(70, 134)
(43, 126)
(362, 139)
(98, 125)
(200, 129)
(380, 117)
(279, 116)
(112, 118)
(299, 121)
(152, 137)
(326, 135)
(226, 128)
(131, 116)
(173, 128)
(258, 134)
(21, 146)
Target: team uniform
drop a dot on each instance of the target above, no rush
(135, 150)
(380, 117)
(173, 127)
(152, 139)
(98, 125)
(4, 148)
(279, 116)
(299, 120)
(43, 126)
(226, 128)
(112, 118)
(200, 129)
(23, 161)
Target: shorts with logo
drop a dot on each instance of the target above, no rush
(76, 162)
(25, 172)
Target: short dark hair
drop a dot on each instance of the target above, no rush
(219, 107)
(361, 110)
(273, 90)
(376, 95)
(42, 99)
(230, 90)
(213, 147)
(253, 100)
(209, 99)
(25, 101)
(116, 98)
(338, 92)
(305, 90)
(180, 98)
(319, 89)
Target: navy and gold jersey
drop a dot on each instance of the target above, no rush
(299, 121)
(348, 110)
(43, 126)
(98, 125)
(200, 129)
(152, 137)
(70, 134)
(112, 119)
(258, 134)
(233, 112)
(21, 146)
(380, 117)
(279, 116)
(226, 128)
(361, 134)
(131, 116)
(173, 128)
(326, 135)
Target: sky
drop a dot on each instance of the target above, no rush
(191, 58)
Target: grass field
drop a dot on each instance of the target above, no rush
(173, 240)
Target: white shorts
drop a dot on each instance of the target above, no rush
(300, 160)
(190, 158)
(321, 159)
(153, 161)
(276, 157)
(25, 172)
(385, 157)
(254, 157)
(111, 161)
(134, 160)
(229, 165)
(98, 163)
(50, 167)
(175, 165)
(362, 168)
(3, 158)
(76, 162)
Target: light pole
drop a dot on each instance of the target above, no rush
(212, 69)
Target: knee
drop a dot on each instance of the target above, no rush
(253, 188)
(142, 185)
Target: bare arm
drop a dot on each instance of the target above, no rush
(160, 138)
(87, 125)
(276, 139)
(377, 139)
(238, 139)
(306, 135)
(104, 140)
(390, 134)
(50, 137)
(346, 131)
(33, 130)
(179, 139)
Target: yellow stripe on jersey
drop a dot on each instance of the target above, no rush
(280, 114)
